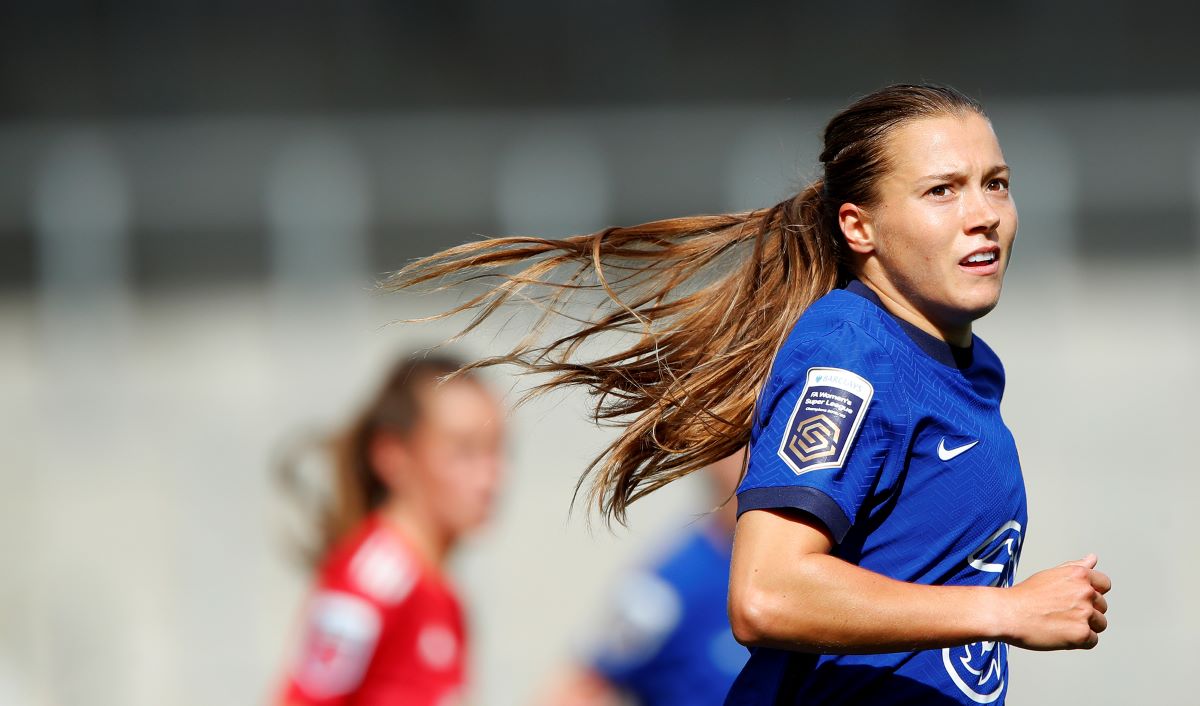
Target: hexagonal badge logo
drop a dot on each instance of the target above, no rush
(825, 419)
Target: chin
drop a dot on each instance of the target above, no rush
(475, 522)
(982, 297)
(980, 306)
(963, 310)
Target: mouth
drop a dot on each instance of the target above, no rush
(984, 261)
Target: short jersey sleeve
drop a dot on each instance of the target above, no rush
(341, 631)
(830, 429)
(345, 620)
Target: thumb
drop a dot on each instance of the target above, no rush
(1087, 562)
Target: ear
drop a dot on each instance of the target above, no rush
(857, 228)
(390, 459)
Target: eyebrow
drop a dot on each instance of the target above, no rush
(960, 176)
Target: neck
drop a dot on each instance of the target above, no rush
(430, 541)
(901, 308)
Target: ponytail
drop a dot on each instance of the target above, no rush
(707, 301)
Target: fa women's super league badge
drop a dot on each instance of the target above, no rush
(825, 420)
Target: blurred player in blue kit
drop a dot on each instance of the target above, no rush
(666, 638)
(883, 511)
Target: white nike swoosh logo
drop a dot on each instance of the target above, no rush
(946, 454)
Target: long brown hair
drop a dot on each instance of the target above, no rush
(708, 299)
(357, 490)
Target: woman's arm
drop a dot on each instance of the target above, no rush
(786, 591)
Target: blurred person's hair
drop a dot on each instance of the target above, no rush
(709, 298)
(395, 408)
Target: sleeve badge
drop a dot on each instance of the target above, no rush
(825, 420)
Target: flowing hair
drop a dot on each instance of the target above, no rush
(706, 301)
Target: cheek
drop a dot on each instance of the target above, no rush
(442, 477)
(913, 235)
(1010, 233)
(452, 480)
(461, 486)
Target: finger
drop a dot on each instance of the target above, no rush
(1091, 641)
(1097, 622)
(1100, 581)
(1100, 602)
(1087, 562)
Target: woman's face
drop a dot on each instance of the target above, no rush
(453, 457)
(938, 240)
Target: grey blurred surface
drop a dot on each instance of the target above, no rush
(195, 203)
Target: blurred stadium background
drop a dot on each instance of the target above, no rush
(196, 198)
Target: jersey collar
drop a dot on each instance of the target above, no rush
(941, 351)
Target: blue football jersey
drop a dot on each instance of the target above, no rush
(893, 439)
(668, 641)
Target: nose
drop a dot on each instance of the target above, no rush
(981, 214)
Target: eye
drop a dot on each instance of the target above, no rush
(939, 191)
(998, 185)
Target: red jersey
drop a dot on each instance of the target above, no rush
(383, 628)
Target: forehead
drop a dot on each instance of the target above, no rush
(942, 145)
(460, 405)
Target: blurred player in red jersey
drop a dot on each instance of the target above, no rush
(416, 471)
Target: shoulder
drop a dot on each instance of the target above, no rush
(649, 603)
(841, 345)
(839, 327)
(840, 372)
(375, 564)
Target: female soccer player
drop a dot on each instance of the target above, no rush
(883, 510)
(416, 471)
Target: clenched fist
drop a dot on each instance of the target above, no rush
(1058, 609)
